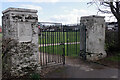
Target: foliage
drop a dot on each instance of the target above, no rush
(35, 76)
(110, 47)
(111, 40)
(115, 57)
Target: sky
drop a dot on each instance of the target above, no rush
(60, 11)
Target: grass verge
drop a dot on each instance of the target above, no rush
(70, 49)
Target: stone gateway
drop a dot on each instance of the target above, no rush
(20, 41)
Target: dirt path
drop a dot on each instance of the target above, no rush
(76, 68)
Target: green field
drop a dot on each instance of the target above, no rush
(71, 49)
(58, 37)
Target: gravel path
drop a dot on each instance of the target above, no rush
(58, 44)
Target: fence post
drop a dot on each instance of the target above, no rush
(63, 55)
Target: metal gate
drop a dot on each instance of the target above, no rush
(72, 40)
(57, 41)
(51, 44)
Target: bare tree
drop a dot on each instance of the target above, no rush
(114, 6)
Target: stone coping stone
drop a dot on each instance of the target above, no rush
(95, 16)
(19, 10)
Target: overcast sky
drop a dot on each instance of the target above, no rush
(64, 11)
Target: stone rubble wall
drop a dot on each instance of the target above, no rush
(23, 59)
(20, 25)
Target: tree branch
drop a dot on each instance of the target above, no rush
(113, 10)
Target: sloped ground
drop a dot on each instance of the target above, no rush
(112, 60)
(76, 68)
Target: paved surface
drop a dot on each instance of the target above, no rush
(75, 68)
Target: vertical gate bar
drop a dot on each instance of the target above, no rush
(70, 42)
(63, 56)
(79, 38)
(73, 42)
(76, 42)
(55, 46)
(61, 42)
(67, 41)
(48, 44)
(60, 45)
(45, 48)
(51, 47)
(40, 48)
(63, 47)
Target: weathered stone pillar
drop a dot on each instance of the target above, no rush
(92, 37)
(20, 41)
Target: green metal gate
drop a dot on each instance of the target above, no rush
(57, 41)
(51, 44)
(72, 40)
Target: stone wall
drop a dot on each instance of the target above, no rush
(94, 37)
(20, 31)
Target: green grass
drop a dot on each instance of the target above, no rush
(58, 37)
(58, 49)
(114, 58)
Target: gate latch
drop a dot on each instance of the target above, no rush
(61, 43)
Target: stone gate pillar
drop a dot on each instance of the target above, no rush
(20, 41)
(92, 37)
